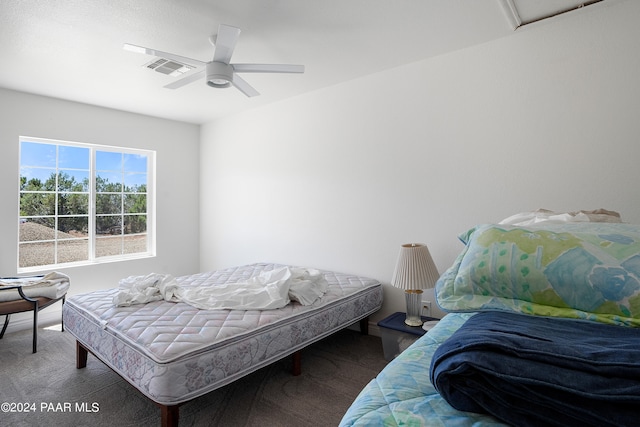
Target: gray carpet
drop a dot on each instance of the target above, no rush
(334, 371)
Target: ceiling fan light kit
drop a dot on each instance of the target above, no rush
(219, 72)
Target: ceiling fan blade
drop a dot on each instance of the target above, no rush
(186, 80)
(267, 68)
(225, 43)
(167, 55)
(244, 87)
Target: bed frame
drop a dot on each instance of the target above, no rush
(224, 344)
(170, 413)
(35, 304)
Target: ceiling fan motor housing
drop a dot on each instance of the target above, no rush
(219, 74)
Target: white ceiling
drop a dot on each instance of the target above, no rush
(72, 49)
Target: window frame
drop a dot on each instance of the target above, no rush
(93, 236)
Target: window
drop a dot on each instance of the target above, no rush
(83, 203)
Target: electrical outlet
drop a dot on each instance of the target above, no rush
(426, 305)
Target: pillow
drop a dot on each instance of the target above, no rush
(576, 270)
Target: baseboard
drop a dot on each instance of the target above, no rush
(374, 329)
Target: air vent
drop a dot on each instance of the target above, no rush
(168, 67)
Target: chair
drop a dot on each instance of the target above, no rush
(36, 304)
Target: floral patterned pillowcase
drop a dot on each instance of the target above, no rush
(576, 270)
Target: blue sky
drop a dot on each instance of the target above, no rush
(38, 160)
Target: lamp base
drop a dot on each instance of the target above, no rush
(414, 301)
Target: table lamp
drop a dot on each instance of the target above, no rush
(415, 271)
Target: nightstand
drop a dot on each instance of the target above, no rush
(397, 335)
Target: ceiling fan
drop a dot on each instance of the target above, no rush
(218, 73)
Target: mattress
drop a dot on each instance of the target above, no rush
(53, 286)
(173, 352)
(402, 394)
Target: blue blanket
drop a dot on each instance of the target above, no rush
(534, 371)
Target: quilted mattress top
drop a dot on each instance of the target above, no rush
(165, 331)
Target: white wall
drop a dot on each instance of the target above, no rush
(340, 178)
(176, 146)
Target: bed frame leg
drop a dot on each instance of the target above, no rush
(364, 326)
(297, 363)
(170, 415)
(81, 356)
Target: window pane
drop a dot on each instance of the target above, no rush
(135, 182)
(37, 229)
(36, 204)
(135, 163)
(73, 227)
(108, 246)
(108, 225)
(108, 204)
(135, 244)
(73, 157)
(73, 250)
(37, 179)
(73, 204)
(72, 180)
(108, 161)
(135, 224)
(135, 203)
(34, 254)
(108, 182)
(37, 154)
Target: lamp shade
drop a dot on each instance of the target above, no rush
(415, 268)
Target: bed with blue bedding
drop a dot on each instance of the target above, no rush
(542, 330)
(402, 394)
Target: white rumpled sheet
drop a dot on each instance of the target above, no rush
(543, 216)
(266, 291)
(52, 285)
